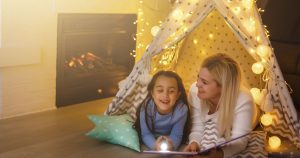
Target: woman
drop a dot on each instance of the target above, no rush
(220, 110)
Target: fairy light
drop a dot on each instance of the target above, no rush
(263, 51)
(250, 25)
(195, 41)
(274, 142)
(256, 95)
(155, 30)
(247, 3)
(258, 38)
(177, 14)
(266, 119)
(211, 36)
(257, 68)
(252, 51)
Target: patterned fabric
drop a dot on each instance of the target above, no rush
(255, 147)
(210, 135)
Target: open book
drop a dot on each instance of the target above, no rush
(192, 153)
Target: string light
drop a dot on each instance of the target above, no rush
(177, 14)
(195, 41)
(257, 68)
(263, 51)
(250, 25)
(266, 119)
(247, 3)
(256, 95)
(155, 30)
(274, 142)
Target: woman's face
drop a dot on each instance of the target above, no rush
(165, 94)
(207, 86)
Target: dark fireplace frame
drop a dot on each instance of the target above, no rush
(82, 87)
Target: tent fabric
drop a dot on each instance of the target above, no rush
(255, 146)
(244, 22)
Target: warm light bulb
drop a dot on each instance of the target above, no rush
(177, 14)
(274, 142)
(263, 51)
(185, 29)
(247, 3)
(211, 36)
(256, 94)
(266, 119)
(250, 25)
(252, 51)
(155, 30)
(257, 68)
(195, 41)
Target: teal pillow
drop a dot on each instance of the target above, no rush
(115, 130)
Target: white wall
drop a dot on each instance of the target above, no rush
(28, 53)
(29, 47)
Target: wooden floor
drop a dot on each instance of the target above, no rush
(58, 133)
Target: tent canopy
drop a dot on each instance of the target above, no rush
(196, 29)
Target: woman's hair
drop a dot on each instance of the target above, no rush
(144, 104)
(227, 74)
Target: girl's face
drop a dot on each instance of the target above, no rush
(208, 88)
(165, 94)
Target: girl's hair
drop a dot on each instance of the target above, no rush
(144, 104)
(227, 74)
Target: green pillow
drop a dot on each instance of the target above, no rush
(115, 130)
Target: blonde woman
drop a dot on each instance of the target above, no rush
(220, 110)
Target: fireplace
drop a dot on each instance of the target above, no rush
(93, 55)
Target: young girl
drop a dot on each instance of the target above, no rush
(164, 114)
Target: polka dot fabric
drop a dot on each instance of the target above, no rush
(115, 130)
(213, 36)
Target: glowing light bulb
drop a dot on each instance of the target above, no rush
(195, 41)
(252, 51)
(256, 94)
(185, 29)
(250, 25)
(247, 3)
(177, 14)
(211, 36)
(263, 51)
(155, 30)
(274, 142)
(164, 146)
(257, 68)
(266, 119)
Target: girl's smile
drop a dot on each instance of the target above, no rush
(165, 94)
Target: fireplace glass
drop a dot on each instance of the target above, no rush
(93, 55)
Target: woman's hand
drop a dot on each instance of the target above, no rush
(192, 147)
(161, 139)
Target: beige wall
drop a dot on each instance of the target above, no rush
(28, 48)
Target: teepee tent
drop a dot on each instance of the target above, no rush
(197, 28)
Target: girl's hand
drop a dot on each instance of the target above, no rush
(193, 147)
